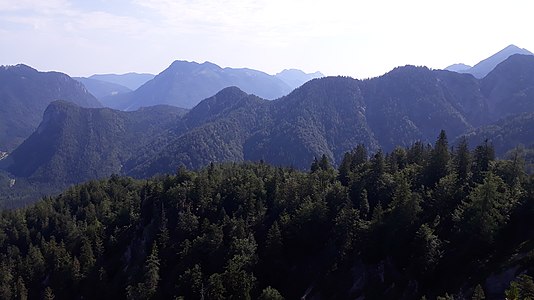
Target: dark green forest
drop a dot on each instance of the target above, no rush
(425, 221)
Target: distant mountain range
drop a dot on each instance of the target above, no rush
(295, 78)
(130, 80)
(324, 116)
(25, 92)
(101, 89)
(24, 95)
(185, 84)
(460, 68)
(481, 69)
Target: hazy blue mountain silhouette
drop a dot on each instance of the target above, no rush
(481, 69)
(130, 80)
(24, 95)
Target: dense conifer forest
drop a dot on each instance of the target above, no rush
(423, 221)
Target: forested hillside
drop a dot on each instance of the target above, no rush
(418, 221)
(24, 95)
(74, 144)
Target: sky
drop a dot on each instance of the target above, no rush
(337, 37)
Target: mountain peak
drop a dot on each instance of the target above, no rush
(184, 64)
(295, 77)
(231, 91)
(514, 48)
(485, 66)
(210, 64)
(130, 80)
(18, 68)
(460, 68)
(408, 70)
(225, 98)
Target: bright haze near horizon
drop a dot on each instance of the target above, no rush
(337, 37)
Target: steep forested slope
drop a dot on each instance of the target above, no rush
(24, 95)
(509, 88)
(74, 144)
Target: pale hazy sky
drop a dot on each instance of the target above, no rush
(337, 37)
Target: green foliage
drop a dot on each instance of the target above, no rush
(486, 210)
(521, 289)
(270, 293)
(462, 160)
(478, 293)
(249, 231)
(48, 294)
(445, 297)
(428, 250)
(439, 160)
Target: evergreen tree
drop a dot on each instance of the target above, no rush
(521, 288)
(462, 160)
(416, 154)
(427, 252)
(324, 163)
(163, 231)
(48, 294)
(446, 297)
(191, 283)
(76, 270)
(397, 159)
(439, 160)
(486, 211)
(404, 206)
(315, 165)
(273, 241)
(359, 156)
(6, 280)
(478, 293)
(378, 214)
(237, 281)
(344, 169)
(364, 205)
(376, 184)
(152, 271)
(215, 289)
(483, 156)
(147, 289)
(87, 257)
(22, 291)
(270, 293)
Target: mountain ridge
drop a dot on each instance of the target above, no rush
(100, 89)
(76, 144)
(24, 95)
(485, 66)
(295, 77)
(327, 116)
(130, 80)
(185, 84)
